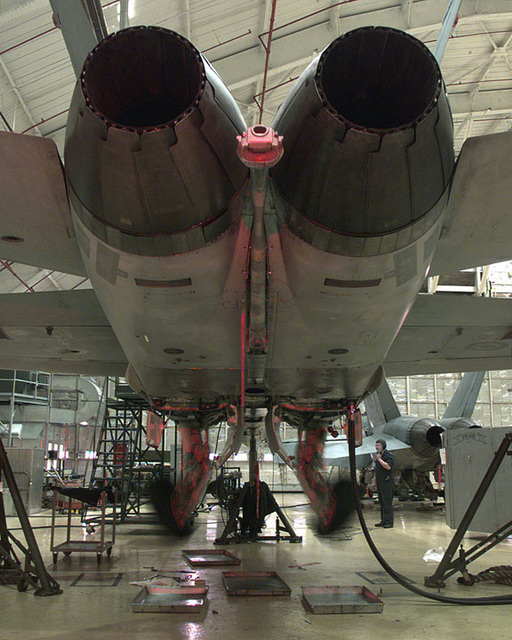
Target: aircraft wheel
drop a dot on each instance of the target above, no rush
(160, 493)
(344, 507)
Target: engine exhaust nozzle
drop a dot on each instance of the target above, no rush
(143, 78)
(379, 79)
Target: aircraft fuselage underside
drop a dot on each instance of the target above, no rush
(351, 218)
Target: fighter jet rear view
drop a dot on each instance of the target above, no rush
(273, 267)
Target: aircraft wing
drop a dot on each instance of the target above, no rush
(34, 206)
(448, 333)
(58, 331)
(478, 224)
(336, 451)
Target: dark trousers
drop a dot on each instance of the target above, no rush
(385, 492)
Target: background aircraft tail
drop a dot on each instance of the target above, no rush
(381, 407)
(464, 399)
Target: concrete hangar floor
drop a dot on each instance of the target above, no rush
(96, 599)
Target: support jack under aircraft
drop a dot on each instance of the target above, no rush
(272, 268)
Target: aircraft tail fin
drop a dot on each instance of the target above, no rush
(464, 399)
(81, 30)
(381, 406)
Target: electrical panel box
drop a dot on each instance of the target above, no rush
(28, 468)
(469, 453)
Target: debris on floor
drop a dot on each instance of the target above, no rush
(434, 555)
(501, 574)
(166, 578)
(301, 566)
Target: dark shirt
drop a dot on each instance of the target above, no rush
(381, 474)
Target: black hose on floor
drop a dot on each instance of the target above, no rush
(507, 599)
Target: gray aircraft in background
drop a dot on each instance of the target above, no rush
(229, 276)
(423, 436)
(414, 441)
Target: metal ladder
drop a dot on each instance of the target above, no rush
(121, 455)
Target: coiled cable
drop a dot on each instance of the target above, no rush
(506, 599)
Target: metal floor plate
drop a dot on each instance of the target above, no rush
(255, 583)
(350, 599)
(380, 577)
(159, 599)
(210, 557)
(98, 579)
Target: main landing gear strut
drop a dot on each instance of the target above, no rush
(256, 501)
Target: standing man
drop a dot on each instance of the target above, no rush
(385, 484)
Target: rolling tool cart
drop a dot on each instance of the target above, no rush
(96, 497)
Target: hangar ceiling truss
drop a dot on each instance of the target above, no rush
(259, 47)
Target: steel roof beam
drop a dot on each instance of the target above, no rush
(124, 19)
(186, 16)
(23, 11)
(18, 95)
(243, 68)
(407, 11)
(495, 101)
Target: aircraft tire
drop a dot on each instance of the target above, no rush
(345, 507)
(160, 494)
